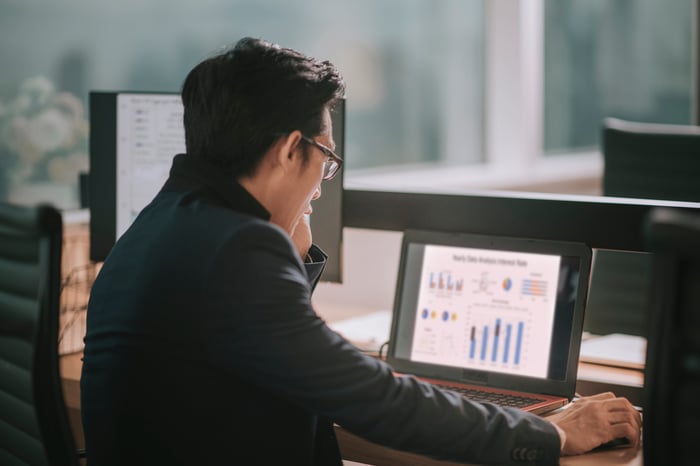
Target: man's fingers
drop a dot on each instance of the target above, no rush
(597, 419)
(627, 431)
(598, 396)
(623, 405)
(625, 418)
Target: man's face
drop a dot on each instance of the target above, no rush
(308, 187)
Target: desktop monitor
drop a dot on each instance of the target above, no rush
(133, 139)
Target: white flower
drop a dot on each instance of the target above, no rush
(15, 135)
(66, 169)
(38, 89)
(79, 161)
(50, 130)
(69, 104)
(43, 133)
(58, 169)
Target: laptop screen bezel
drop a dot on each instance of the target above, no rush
(565, 387)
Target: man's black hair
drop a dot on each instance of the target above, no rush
(238, 101)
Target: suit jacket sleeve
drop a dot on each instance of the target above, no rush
(290, 350)
(315, 264)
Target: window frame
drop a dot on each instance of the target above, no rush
(514, 46)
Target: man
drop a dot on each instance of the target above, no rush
(202, 345)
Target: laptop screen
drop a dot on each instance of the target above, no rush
(484, 308)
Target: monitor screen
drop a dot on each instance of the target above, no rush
(133, 139)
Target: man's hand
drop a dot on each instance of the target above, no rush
(591, 421)
(301, 236)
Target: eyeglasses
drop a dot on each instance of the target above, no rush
(333, 161)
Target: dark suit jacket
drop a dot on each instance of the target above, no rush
(202, 347)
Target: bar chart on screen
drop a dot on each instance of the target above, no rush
(485, 310)
(505, 346)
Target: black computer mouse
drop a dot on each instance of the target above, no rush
(614, 443)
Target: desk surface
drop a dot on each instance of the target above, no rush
(359, 450)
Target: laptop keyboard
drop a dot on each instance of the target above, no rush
(501, 399)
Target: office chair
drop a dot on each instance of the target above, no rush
(648, 161)
(34, 427)
(651, 161)
(672, 374)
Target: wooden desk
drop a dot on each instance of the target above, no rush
(359, 450)
(597, 378)
(70, 366)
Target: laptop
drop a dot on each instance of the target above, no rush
(496, 318)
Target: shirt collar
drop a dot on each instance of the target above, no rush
(189, 172)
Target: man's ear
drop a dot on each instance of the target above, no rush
(289, 146)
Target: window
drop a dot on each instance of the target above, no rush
(442, 95)
(628, 59)
(553, 70)
(413, 67)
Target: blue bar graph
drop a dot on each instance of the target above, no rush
(519, 342)
(497, 331)
(442, 281)
(472, 343)
(495, 346)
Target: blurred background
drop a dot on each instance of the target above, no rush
(428, 85)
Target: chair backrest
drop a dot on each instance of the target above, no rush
(34, 427)
(672, 373)
(616, 301)
(648, 161)
(651, 161)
